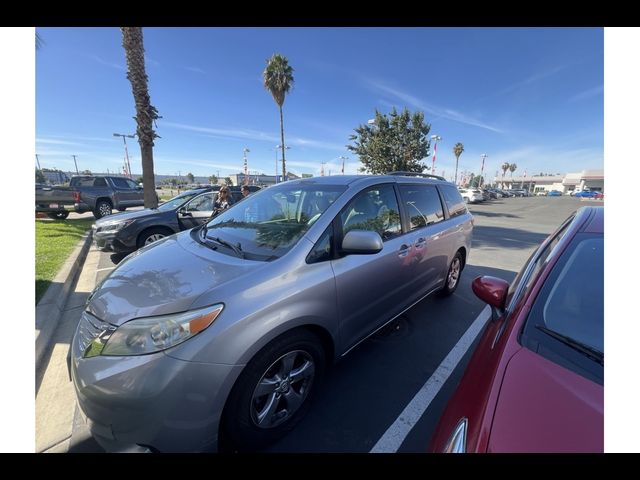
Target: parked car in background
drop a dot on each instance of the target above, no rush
(471, 195)
(542, 193)
(535, 381)
(554, 193)
(586, 194)
(227, 329)
(87, 193)
(126, 232)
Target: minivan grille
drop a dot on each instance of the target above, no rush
(89, 329)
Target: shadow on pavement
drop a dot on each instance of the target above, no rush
(501, 237)
(494, 214)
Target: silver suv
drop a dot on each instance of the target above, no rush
(228, 327)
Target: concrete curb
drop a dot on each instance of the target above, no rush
(51, 306)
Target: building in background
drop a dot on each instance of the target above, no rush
(567, 183)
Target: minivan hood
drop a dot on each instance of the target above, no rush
(166, 277)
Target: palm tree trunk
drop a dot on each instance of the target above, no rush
(456, 177)
(284, 169)
(145, 112)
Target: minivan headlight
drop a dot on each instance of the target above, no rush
(458, 441)
(153, 334)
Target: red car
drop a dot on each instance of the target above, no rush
(535, 382)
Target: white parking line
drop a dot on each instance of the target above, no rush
(398, 431)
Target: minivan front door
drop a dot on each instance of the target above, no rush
(371, 288)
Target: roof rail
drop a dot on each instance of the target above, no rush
(417, 174)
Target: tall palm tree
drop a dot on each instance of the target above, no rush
(512, 168)
(146, 113)
(458, 148)
(505, 166)
(278, 79)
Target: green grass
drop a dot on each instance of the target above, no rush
(55, 240)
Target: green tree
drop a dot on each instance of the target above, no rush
(505, 166)
(397, 142)
(458, 148)
(139, 180)
(213, 179)
(228, 181)
(190, 177)
(40, 178)
(146, 113)
(278, 80)
(174, 182)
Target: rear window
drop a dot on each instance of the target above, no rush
(422, 204)
(453, 199)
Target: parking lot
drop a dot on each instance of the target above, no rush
(369, 389)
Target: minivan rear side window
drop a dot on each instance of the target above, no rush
(453, 199)
(422, 204)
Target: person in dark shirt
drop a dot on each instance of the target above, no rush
(223, 200)
(245, 191)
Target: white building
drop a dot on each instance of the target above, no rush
(585, 180)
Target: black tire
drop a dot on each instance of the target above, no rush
(457, 263)
(58, 215)
(103, 208)
(240, 419)
(152, 235)
(122, 209)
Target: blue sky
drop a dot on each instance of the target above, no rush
(531, 96)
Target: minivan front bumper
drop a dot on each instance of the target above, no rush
(151, 401)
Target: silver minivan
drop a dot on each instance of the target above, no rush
(227, 328)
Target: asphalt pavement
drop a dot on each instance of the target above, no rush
(370, 388)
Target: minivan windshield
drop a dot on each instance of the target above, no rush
(270, 222)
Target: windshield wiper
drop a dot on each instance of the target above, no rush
(236, 248)
(590, 352)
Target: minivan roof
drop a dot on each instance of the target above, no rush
(349, 179)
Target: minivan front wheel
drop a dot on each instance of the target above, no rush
(453, 275)
(274, 391)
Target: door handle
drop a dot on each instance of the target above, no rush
(421, 242)
(404, 250)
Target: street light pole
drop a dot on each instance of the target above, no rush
(126, 151)
(484, 155)
(435, 139)
(246, 178)
(76, 164)
(38, 162)
(343, 158)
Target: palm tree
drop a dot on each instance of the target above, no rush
(458, 148)
(278, 79)
(146, 113)
(512, 168)
(505, 166)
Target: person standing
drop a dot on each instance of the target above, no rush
(245, 191)
(223, 200)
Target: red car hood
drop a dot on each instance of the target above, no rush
(544, 407)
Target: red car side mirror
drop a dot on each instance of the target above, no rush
(491, 290)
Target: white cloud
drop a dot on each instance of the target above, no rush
(592, 92)
(438, 111)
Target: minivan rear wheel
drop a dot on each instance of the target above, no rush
(274, 390)
(453, 275)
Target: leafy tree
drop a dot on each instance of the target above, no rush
(213, 179)
(505, 166)
(40, 178)
(174, 182)
(278, 80)
(228, 181)
(146, 113)
(139, 180)
(86, 172)
(512, 168)
(458, 148)
(397, 142)
(190, 177)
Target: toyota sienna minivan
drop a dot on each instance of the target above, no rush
(226, 329)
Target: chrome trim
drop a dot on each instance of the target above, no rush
(457, 442)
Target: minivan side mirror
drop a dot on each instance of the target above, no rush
(491, 290)
(184, 213)
(361, 242)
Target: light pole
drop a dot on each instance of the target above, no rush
(484, 155)
(246, 178)
(343, 158)
(277, 147)
(38, 162)
(126, 152)
(435, 139)
(76, 164)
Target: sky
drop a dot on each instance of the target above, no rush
(530, 96)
